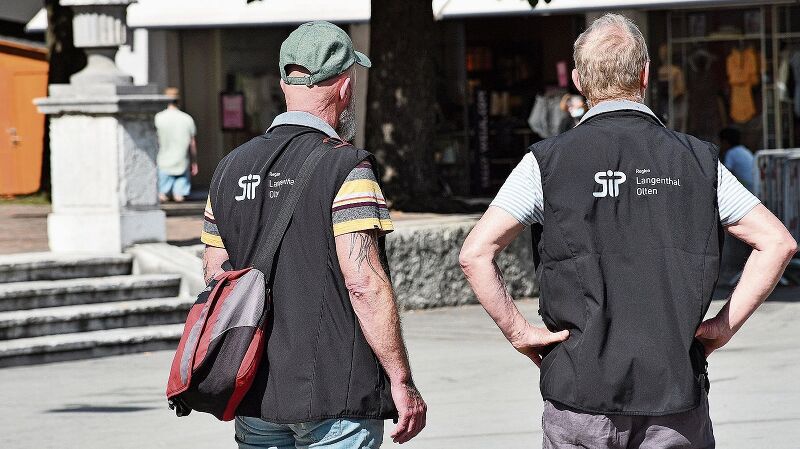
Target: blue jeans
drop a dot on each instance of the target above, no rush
(254, 433)
(180, 185)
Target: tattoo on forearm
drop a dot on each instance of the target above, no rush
(208, 277)
(361, 246)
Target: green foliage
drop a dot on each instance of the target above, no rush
(38, 198)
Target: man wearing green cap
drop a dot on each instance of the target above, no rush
(336, 365)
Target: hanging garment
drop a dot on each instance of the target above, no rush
(782, 78)
(794, 63)
(546, 115)
(672, 75)
(263, 99)
(538, 118)
(742, 68)
(708, 114)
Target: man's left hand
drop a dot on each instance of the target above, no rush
(714, 333)
(531, 340)
(195, 169)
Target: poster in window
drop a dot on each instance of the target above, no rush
(232, 109)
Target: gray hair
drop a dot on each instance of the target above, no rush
(610, 57)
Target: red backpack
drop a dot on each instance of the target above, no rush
(223, 339)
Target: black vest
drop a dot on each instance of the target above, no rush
(629, 253)
(318, 364)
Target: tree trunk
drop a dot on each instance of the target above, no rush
(64, 60)
(400, 126)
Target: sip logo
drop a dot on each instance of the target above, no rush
(610, 181)
(248, 183)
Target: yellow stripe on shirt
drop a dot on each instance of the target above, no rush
(359, 187)
(384, 226)
(211, 240)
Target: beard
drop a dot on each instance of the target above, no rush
(347, 121)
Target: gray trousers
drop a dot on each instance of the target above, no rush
(564, 427)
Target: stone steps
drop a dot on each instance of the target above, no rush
(37, 294)
(92, 317)
(56, 307)
(49, 266)
(81, 345)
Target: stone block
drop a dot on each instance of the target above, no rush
(426, 273)
(153, 258)
(92, 231)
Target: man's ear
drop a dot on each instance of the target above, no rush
(346, 89)
(645, 76)
(576, 80)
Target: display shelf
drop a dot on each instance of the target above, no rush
(728, 38)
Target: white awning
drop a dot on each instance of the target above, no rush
(233, 13)
(222, 13)
(19, 11)
(452, 9)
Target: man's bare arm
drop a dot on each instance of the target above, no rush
(773, 247)
(213, 258)
(493, 233)
(193, 154)
(374, 303)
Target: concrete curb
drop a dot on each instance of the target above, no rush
(152, 258)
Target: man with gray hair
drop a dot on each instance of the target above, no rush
(628, 218)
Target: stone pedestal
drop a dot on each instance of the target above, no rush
(103, 143)
(103, 165)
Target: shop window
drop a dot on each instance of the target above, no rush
(511, 64)
(711, 73)
(786, 46)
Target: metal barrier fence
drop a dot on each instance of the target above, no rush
(777, 185)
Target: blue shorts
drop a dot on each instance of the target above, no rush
(180, 185)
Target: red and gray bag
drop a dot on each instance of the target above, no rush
(223, 339)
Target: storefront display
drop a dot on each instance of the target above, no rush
(737, 67)
(517, 75)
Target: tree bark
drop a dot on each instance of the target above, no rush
(401, 97)
(64, 59)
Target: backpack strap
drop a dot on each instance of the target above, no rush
(269, 242)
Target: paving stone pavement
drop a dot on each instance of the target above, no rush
(480, 392)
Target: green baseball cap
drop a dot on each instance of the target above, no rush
(322, 48)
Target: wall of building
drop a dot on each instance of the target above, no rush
(164, 54)
(133, 58)
(201, 83)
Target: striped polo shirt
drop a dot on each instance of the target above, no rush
(522, 196)
(359, 204)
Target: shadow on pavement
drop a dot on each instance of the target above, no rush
(84, 408)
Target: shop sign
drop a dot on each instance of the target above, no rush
(232, 110)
